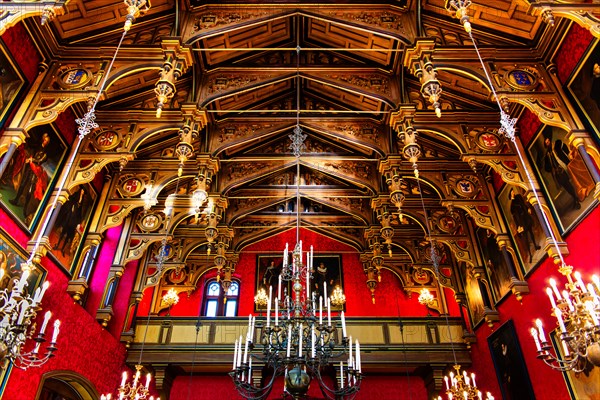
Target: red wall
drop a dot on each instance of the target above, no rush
(390, 299)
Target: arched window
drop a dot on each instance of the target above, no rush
(214, 299)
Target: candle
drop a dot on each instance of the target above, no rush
(358, 357)
(590, 307)
(269, 306)
(313, 340)
(235, 350)
(246, 351)
(446, 380)
(124, 380)
(535, 338)
(538, 322)
(325, 290)
(277, 312)
(45, 323)
(300, 335)
(580, 282)
(239, 359)
(556, 292)
(289, 343)
(320, 310)
(561, 322)
(350, 354)
(343, 325)
(148, 378)
(466, 395)
(250, 371)
(24, 306)
(308, 275)
(568, 300)
(596, 281)
(23, 280)
(44, 288)
(252, 329)
(565, 348)
(593, 293)
(341, 375)
(328, 311)
(279, 286)
(479, 395)
(473, 379)
(551, 296)
(249, 327)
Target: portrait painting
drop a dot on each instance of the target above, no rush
(327, 271)
(524, 226)
(584, 385)
(498, 272)
(509, 364)
(563, 174)
(29, 177)
(473, 291)
(71, 224)
(584, 87)
(12, 82)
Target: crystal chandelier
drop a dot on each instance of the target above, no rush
(338, 298)
(261, 298)
(18, 311)
(463, 387)
(299, 343)
(577, 311)
(170, 299)
(426, 298)
(133, 390)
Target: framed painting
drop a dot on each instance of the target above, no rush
(327, 269)
(568, 184)
(71, 224)
(524, 226)
(584, 385)
(12, 81)
(473, 291)
(584, 87)
(29, 177)
(509, 363)
(498, 272)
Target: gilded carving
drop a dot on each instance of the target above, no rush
(217, 19)
(373, 82)
(223, 83)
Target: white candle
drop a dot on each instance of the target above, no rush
(313, 338)
(341, 375)
(358, 357)
(328, 311)
(249, 327)
(593, 293)
(350, 354)
(590, 307)
(580, 282)
(44, 288)
(479, 395)
(235, 351)
(277, 312)
(473, 379)
(124, 380)
(535, 339)
(279, 287)
(325, 290)
(252, 329)
(551, 297)
(446, 380)
(148, 378)
(300, 335)
(239, 359)
(307, 276)
(596, 281)
(343, 325)
(246, 351)
(538, 322)
(250, 371)
(561, 322)
(320, 310)
(568, 300)
(553, 284)
(23, 280)
(24, 307)
(45, 323)
(289, 343)
(269, 306)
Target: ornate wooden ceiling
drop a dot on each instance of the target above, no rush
(257, 69)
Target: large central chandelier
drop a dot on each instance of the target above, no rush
(299, 340)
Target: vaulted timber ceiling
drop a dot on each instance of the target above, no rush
(336, 69)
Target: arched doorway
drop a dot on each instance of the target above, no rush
(66, 385)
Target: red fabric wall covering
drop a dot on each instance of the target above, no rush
(83, 346)
(547, 383)
(572, 49)
(373, 387)
(528, 125)
(104, 261)
(65, 124)
(23, 50)
(390, 299)
(121, 301)
(13, 229)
